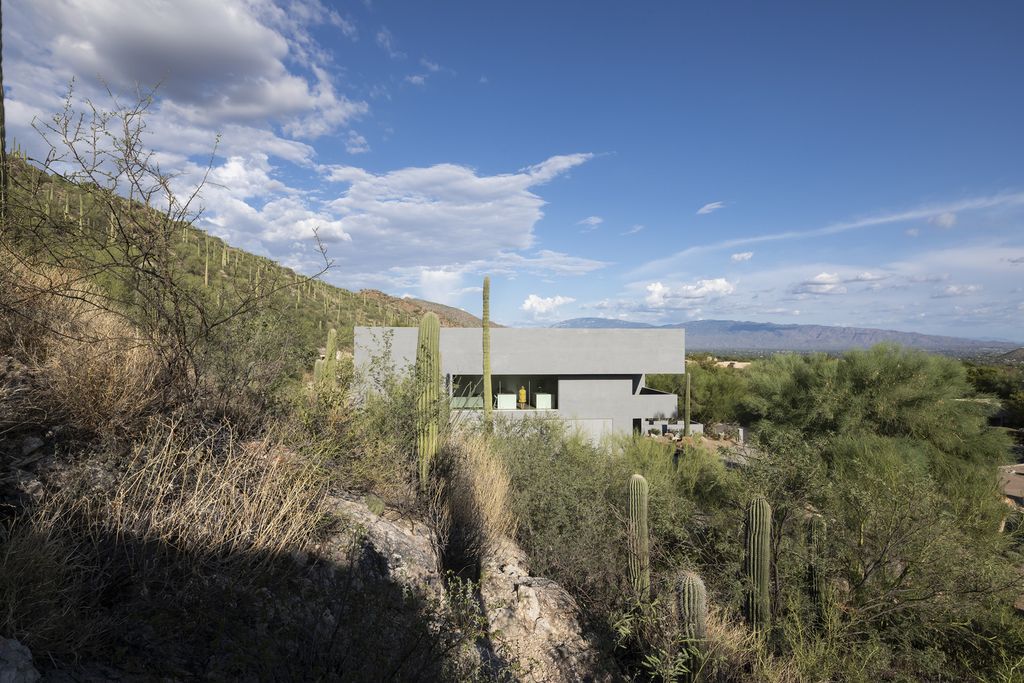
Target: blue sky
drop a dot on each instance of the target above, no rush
(855, 164)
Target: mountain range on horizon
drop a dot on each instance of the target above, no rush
(735, 335)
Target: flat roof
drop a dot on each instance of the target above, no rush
(537, 351)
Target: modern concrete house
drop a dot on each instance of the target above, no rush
(591, 378)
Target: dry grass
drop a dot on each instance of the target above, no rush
(47, 595)
(734, 653)
(473, 508)
(216, 497)
(89, 369)
(189, 504)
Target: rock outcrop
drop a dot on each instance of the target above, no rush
(532, 622)
(16, 663)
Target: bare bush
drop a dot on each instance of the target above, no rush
(101, 207)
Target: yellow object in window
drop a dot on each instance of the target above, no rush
(522, 394)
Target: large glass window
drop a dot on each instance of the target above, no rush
(508, 391)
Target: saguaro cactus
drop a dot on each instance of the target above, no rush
(757, 565)
(686, 408)
(817, 586)
(428, 377)
(639, 547)
(331, 356)
(487, 350)
(691, 607)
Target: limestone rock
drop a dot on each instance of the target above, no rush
(533, 622)
(16, 663)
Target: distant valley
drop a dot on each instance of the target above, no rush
(733, 335)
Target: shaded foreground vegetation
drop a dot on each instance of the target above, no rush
(178, 519)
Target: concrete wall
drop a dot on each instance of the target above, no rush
(586, 398)
(600, 372)
(537, 351)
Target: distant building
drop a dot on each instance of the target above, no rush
(591, 378)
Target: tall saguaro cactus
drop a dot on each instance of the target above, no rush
(816, 584)
(428, 377)
(686, 408)
(637, 537)
(757, 564)
(691, 604)
(331, 356)
(487, 351)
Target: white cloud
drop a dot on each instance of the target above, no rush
(957, 290)
(441, 285)
(742, 256)
(708, 208)
(356, 143)
(822, 283)
(544, 306)
(590, 222)
(441, 215)
(386, 41)
(226, 62)
(684, 295)
(866, 276)
(633, 230)
(912, 232)
(944, 220)
(670, 262)
(417, 79)
(433, 67)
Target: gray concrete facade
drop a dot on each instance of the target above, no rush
(595, 375)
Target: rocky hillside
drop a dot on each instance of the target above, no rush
(219, 269)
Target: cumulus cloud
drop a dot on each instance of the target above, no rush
(441, 214)
(356, 143)
(230, 61)
(742, 256)
(866, 276)
(686, 295)
(709, 208)
(442, 285)
(544, 306)
(822, 283)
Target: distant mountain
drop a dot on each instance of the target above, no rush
(600, 323)
(732, 335)
(456, 317)
(1015, 356)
